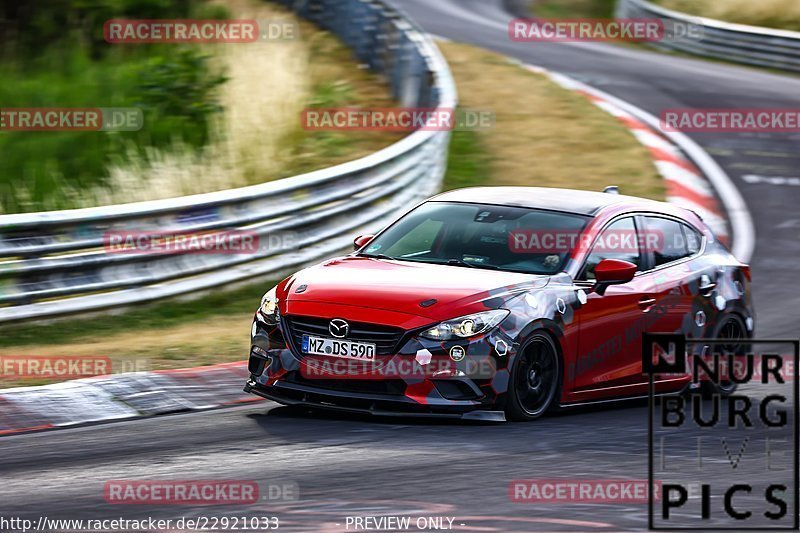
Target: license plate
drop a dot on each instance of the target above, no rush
(338, 348)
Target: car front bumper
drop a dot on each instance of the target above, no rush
(471, 387)
(293, 394)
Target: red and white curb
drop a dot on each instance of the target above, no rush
(686, 184)
(122, 396)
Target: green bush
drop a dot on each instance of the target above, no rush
(180, 88)
(55, 56)
(33, 27)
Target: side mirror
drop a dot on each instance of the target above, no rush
(362, 241)
(613, 272)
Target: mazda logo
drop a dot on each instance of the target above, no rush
(339, 328)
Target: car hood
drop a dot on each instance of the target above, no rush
(401, 286)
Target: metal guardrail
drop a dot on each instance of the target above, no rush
(739, 43)
(55, 263)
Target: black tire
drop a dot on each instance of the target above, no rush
(535, 379)
(730, 327)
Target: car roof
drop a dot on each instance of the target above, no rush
(564, 200)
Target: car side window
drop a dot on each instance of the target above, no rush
(617, 241)
(670, 240)
(693, 239)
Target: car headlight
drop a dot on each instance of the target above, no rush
(466, 326)
(268, 310)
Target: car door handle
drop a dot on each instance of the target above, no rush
(646, 303)
(706, 285)
(706, 288)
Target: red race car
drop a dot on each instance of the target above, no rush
(498, 303)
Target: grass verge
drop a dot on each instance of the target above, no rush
(779, 14)
(555, 9)
(543, 136)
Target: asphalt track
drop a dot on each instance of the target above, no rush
(356, 466)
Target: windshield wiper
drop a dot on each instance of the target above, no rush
(377, 256)
(460, 262)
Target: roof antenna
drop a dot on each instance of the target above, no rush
(611, 189)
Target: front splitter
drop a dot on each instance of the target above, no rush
(477, 415)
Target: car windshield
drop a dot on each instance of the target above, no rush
(515, 239)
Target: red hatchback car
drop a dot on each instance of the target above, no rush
(498, 303)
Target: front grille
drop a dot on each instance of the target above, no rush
(385, 338)
(392, 387)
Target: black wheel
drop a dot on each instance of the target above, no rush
(535, 379)
(732, 327)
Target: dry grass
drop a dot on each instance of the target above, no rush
(573, 8)
(547, 136)
(259, 137)
(782, 14)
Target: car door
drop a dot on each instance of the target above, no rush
(675, 245)
(610, 345)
